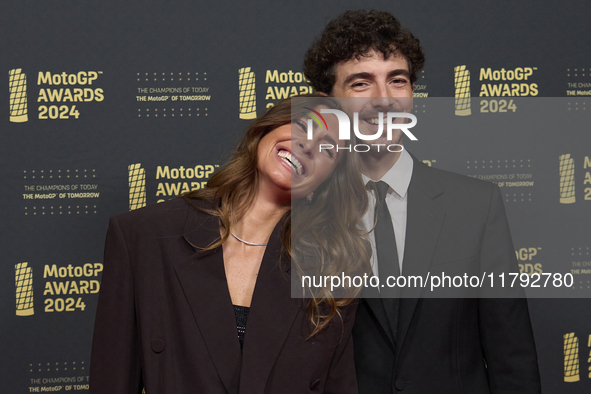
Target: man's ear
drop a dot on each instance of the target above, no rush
(413, 87)
(322, 94)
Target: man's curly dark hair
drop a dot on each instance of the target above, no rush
(353, 34)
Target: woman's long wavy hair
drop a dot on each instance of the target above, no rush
(320, 236)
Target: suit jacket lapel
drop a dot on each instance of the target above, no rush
(271, 317)
(204, 283)
(371, 297)
(423, 225)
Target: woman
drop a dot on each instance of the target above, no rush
(179, 276)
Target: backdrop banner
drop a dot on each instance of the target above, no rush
(107, 106)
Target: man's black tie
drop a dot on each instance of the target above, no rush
(387, 252)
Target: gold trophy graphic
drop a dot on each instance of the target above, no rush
(246, 86)
(23, 278)
(462, 90)
(567, 179)
(571, 357)
(17, 86)
(137, 186)
(589, 359)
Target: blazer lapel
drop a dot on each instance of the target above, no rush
(423, 225)
(271, 317)
(204, 283)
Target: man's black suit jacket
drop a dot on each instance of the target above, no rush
(165, 318)
(449, 345)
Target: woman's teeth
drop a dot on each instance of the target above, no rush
(292, 161)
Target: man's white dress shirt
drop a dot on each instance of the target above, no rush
(398, 178)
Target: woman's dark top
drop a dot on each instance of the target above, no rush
(241, 313)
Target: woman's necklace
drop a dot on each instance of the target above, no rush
(246, 242)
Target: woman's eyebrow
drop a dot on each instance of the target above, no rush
(330, 139)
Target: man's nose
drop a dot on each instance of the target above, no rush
(380, 97)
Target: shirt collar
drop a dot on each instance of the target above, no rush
(398, 176)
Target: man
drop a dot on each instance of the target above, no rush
(441, 222)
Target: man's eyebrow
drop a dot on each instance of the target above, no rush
(363, 75)
(366, 75)
(400, 71)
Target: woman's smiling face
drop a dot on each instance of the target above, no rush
(288, 161)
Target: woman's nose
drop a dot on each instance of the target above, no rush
(306, 147)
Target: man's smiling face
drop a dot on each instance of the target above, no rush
(386, 85)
